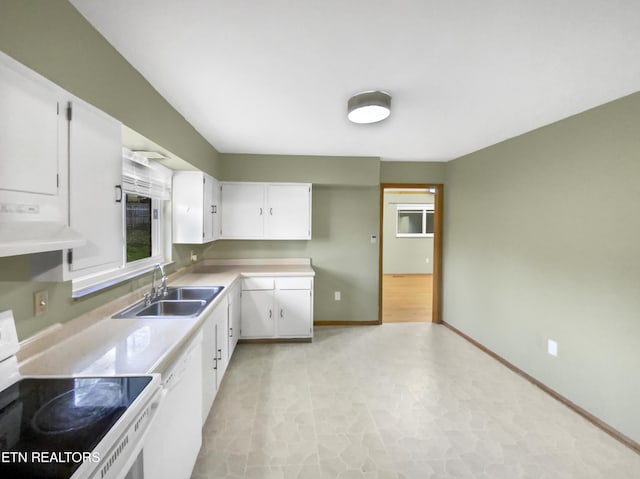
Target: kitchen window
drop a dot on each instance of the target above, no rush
(414, 221)
(139, 230)
(146, 188)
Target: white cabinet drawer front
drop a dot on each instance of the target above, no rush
(294, 283)
(257, 283)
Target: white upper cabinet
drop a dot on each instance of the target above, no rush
(288, 213)
(215, 209)
(242, 210)
(277, 211)
(95, 194)
(33, 162)
(195, 207)
(29, 134)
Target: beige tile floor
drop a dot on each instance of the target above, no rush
(397, 401)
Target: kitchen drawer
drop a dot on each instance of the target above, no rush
(257, 283)
(294, 283)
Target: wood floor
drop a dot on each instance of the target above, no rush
(406, 297)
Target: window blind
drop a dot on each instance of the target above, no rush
(145, 177)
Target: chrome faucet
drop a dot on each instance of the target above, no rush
(162, 290)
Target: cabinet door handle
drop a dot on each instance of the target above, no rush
(271, 211)
(231, 332)
(215, 363)
(281, 314)
(118, 193)
(213, 209)
(220, 354)
(270, 314)
(260, 211)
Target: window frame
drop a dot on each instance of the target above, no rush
(426, 209)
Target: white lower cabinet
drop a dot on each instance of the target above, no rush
(294, 313)
(214, 355)
(233, 316)
(280, 307)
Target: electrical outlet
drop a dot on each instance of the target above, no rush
(336, 295)
(552, 347)
(40, 302)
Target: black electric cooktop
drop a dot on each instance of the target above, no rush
(50, 426)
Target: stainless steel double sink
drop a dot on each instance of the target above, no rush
(176, 302)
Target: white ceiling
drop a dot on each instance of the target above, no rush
(274, 76)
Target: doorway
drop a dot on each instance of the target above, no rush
(410, 253)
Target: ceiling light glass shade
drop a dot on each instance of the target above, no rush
(369, 107)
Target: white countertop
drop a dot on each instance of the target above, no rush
(96, 344)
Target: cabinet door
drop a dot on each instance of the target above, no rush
(216, 207)
(242, 210)
(258, 318)
(188, 201)
(29, 130)
(234, 318)
(207, 209)
(209, 363)
(95, 171)
(294, 312)
(288, 211)
(222, 341)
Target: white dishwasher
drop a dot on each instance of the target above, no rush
(175, 436)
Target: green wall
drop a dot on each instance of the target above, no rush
(319, 170)
(412, 172)
(541, 242)
(52, 38)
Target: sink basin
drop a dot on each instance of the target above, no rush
(172, 308)
(192, 293)
(179, 302)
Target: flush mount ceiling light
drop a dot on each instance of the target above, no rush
(369, 107)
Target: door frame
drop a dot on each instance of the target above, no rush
(436, 306)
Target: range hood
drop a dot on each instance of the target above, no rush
(26, 237)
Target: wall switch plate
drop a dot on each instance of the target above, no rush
(336, 295)
(552, 347)
(40, 302)
(374, 239)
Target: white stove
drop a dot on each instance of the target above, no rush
(71, 427)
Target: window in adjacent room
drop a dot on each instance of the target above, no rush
(414, 221)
